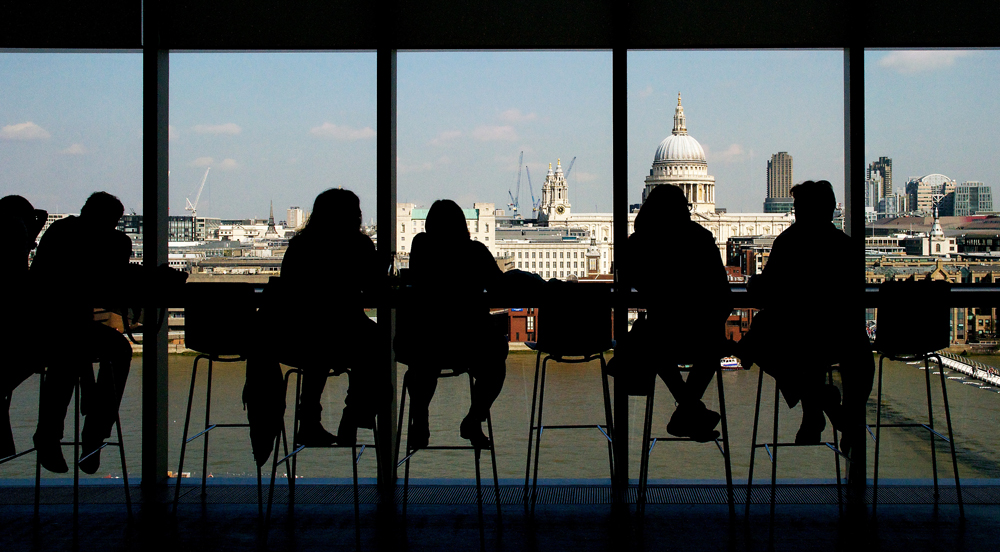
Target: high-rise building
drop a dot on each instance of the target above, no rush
(972, 198)
(882, 168)
(924, 190)
(295, 217)
(779, 176)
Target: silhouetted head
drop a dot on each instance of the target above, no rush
(16, 209)
(445, 219)
(665, 204)
(102, 209)
(814, 201)
(335, 211)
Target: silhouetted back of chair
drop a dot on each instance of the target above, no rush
(574, 328)
(218, 317)
(913, 317)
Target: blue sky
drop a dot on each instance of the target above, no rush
(934, 111)
(71, 124)
(464, 117)
(282, 126)
(742, 107)
(285, 126)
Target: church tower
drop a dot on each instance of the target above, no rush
(555, 196)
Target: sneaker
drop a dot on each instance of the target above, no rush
(693, 420)
(419, 434)
(91, 457)
(472, 430)
(315, 435)
(347, 432)
(50, 456)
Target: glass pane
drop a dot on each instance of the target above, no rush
(254, 138)
(71, 125)
(930, 120)
(523, 143)
(734, 130)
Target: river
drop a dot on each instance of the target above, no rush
(573, 395)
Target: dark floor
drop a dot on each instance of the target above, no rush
(445, 517)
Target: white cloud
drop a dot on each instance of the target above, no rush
(646, 92)
(342, 132)
(916, 61)
(444, 160)
(228, 128)
(405, 168)
(445, 137)
(24, 131)
(733, 153)
(172, 133)
(226, 164)
(582, 176)
(202, 162)
(514, 115)
(75, 149)
(489, 133)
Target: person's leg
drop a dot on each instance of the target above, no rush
(422, 382)
(311, 430)
(8, 382)
(691, 418)
(489, 375)
(365, 390)
(115, 355)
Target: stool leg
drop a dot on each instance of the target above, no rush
(753, 441)
(531, 428)
(295, 442)
(878, 435)
(538, 438)
(38, 465)
(836, 455)
(477, 453)
(608, 419)
(951, 441)
(493, 458)
(76, 451)
(357, 506)
(121, 453)
(727, 458)
(184, 438)
(930, 424)
(647, 428)
(774, 453)
(208, 410)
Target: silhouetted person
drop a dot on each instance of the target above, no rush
(472, 343)
(325, 269)
(82, 263)
(19, 225)
(676, 265)
(803, 327)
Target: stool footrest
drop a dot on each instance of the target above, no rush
(298, 449)
(95, 451)
(16, 456)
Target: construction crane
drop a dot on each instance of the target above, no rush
(534, 204)
(566, 175)
(514, 204)
(193, 207)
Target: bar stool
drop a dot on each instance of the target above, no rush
(214, 325)
(290, 457)
(772, 447)
(410, 451)
(648, 442)
(899, 338)
(569, 334)
(76, 443)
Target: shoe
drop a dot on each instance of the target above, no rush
(313, 434)
(90, 464)
(472, 430)
(693, 420)
(347, 432)
(50, 456)
(830, 397)
(419, 434)
(811, 431)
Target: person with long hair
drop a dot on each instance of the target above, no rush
(325, 271)
(474, 344)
